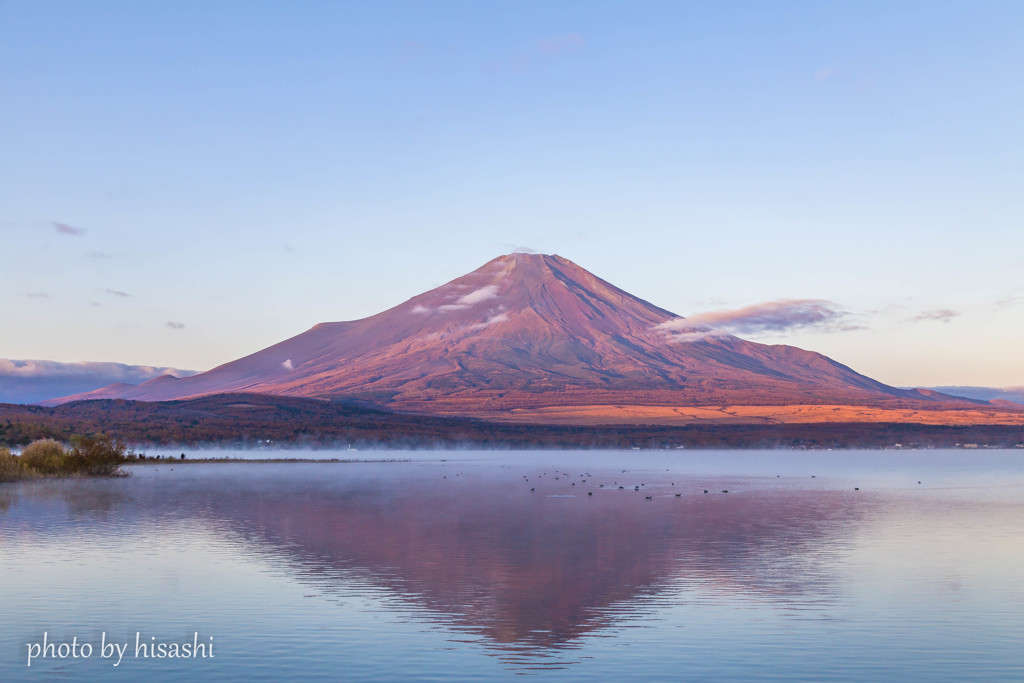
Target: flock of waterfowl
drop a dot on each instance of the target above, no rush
(558, 474)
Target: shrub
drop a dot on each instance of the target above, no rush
(45, 456)
(10, 468)
(97, 456)
(94, 456)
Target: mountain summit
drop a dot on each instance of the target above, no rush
(527, 333)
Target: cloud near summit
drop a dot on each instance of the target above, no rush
(482, 294)
(475, 297)
(769, 317)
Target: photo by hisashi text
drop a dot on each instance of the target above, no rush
(115, 651)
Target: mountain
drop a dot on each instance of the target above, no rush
(525, 335)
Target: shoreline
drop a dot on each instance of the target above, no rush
(188, 461)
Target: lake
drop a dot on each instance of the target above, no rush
(568, 565)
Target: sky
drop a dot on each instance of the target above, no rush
(184, 183)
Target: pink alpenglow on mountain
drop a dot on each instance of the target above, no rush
(525, 334)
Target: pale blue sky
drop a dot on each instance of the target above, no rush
(245, 170)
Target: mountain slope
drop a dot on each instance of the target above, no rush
(529, 331)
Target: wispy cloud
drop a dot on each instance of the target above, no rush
(37, 295)
(557, 45)
(99, 255)
(479, 295)
(118, 292)
(542, 51)
(1009, 301)
(824, 74)
(175, 326)
(519, 249)
(939, 314)
(770, 317)
(31, 381)
(65, 229)
(420, 308)
(287, 364)
(692, 334)
(475, 297)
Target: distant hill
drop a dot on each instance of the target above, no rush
(1013, 394)
(254, 419)
(35, 381)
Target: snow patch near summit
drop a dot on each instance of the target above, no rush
(493, 320)
(475, 297)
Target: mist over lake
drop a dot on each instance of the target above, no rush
(463, 565)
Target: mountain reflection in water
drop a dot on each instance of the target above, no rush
(480, 552)
(530, 570)
(457, 570)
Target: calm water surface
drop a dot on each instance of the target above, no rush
(449, 567)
